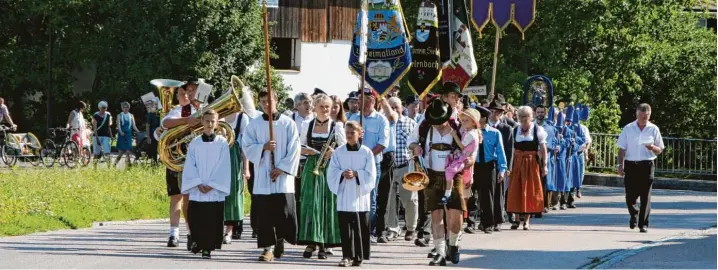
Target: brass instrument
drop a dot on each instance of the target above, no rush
(321, 162)
(416, 180)
(166, 89)
(172, 145)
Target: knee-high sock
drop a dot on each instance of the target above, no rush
(453, 238)
(440, 245)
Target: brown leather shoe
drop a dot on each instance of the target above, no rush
(267, 256)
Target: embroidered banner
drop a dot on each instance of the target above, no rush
(388, 55)
(426, 68)
(462, 65)
(502, 13)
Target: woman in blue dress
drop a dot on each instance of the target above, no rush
(125, 126)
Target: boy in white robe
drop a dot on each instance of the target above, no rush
(275, 165)
(350, 176)
(206, 179)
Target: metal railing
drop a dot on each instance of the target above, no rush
(681, 156)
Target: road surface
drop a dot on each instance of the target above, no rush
(595, 234)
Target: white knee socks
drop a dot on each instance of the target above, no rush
(440, 245)
(174, 231)
(453, 238)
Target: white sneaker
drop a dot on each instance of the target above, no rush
(227, 239)
(372, 240)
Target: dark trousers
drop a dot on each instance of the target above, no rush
(639, 184)
(487, 196)
(152, 151)
(277, 220)
(206, 221)
(423, 227)
(252, 206)
(354, 231)
(382, 195)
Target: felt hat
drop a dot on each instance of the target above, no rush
(438, 112)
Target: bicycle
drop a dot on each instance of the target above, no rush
(8, 153)
(68, 153)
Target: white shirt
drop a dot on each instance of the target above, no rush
(586, 133)
(207, 163)
(632, 140)
(353, 195)
(540, 132)
(299, 120)
(339, 134)
(286, 154)
(436, 159)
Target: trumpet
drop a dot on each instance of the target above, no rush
(322, 162)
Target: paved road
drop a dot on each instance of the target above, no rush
(595, 232)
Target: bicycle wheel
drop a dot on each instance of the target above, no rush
(48, 153)
(71, 154)
(9, 155)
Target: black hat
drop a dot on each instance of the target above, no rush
(318, 91)
(353, 95)
(496, 105)
(192, 81)
(449, 87)
(483, 111)
(438, 112)
(411, 99)
(500, 98)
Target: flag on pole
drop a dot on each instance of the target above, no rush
(426, 66)
(462, 65)
(388, 55)
(363, 22)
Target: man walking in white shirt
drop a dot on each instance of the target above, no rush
(639, 144)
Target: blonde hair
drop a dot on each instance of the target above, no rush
(525, 111)
(322, 98)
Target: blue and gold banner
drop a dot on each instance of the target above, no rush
(388, 55)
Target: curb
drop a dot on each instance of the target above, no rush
(129, 222)
(612, 180)
(620, 255)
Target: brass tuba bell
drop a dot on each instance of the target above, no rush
(416, 180)
(172, 145)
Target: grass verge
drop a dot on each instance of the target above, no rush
(51, 199)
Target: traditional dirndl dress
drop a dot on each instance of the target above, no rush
(525, 194)
(319, 219)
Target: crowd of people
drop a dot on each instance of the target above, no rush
(330, 173)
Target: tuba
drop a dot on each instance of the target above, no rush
(417, 179)
(166, 89)
(172, 145)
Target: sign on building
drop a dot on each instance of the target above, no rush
(475, 90)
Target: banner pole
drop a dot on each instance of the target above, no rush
(496, 58)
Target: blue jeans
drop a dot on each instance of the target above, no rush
(105, 141)
(372, 213)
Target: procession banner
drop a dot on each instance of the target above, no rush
(446, 43)
(426, 67)
(388, 55)
(502, 13)
(462, 66)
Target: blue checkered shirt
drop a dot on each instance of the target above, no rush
(404, 127)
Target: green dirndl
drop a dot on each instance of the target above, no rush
(319, 217)
(234, 203)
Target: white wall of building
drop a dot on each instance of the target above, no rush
(324, 66)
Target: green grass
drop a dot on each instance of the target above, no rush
(51, 199)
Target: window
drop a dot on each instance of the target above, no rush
(288, 52)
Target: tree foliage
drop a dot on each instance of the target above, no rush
(129, 43)
(611, 55)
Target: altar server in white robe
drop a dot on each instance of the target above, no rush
(351, 176)
(207, 180)
(273, 182)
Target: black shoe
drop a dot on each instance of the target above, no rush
(432, 253)
(357, 262)
(308, 252)
(279, 249)
(254, 234)
(421, 242)
(515, 225)
(409, 236)
(382, 239)
(322, 255)
(455, 254)
(563, 207)
(195, 249)
(172, 242)
(189, 242)
(571, 206)
(469, 230)
(538, 215)
(206, 254)
(346, 262)
(488, 230)
(438, 260)
(643, 229)
(632, 223)
(237, 232)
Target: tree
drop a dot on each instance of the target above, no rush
(128, 42)
(611, 55)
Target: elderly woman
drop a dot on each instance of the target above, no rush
(125, 125)
(101, 122)
(525, 194)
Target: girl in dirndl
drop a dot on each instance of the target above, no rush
(319, 219)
